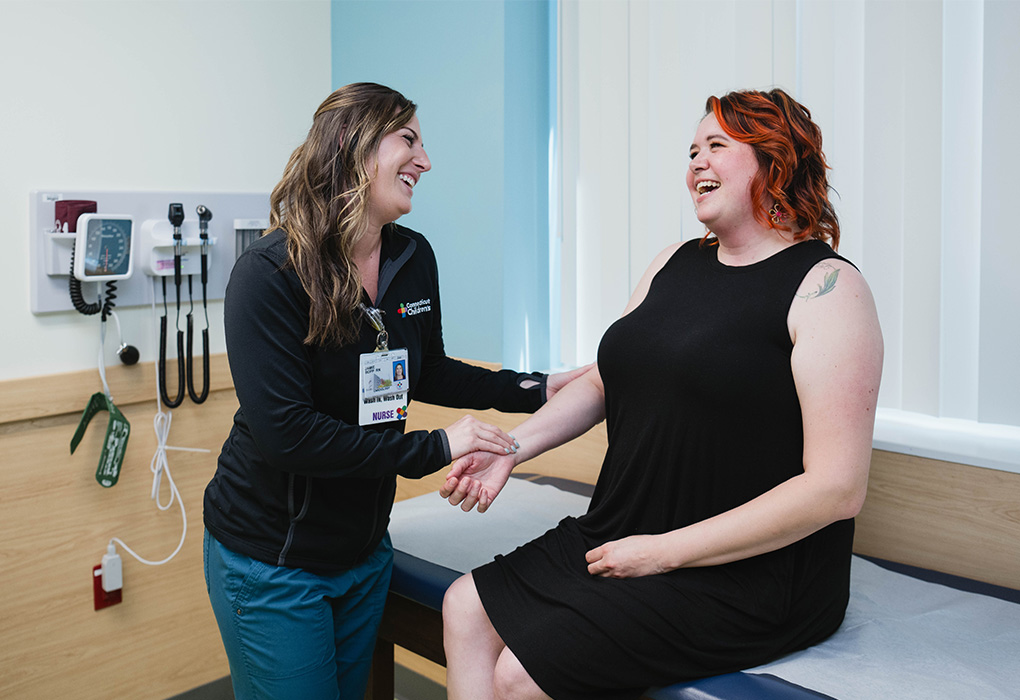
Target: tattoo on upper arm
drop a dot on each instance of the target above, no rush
(827, 285)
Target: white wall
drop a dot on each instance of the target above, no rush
(158, 95)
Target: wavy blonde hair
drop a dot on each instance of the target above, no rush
(321, 202)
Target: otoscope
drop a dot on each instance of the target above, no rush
(204, 215)
(176, 217)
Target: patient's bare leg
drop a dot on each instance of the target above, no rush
(472, 645)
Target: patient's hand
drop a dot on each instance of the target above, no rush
(630, 557)
(476, 479)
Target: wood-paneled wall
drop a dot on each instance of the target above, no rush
(949, 517)
(56, 521)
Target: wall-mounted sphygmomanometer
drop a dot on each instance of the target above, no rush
(102, 249)
(102, 252)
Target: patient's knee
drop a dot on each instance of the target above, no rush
(512, 682)
(462, 609)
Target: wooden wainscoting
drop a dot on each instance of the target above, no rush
(56, 521)
(949, 517)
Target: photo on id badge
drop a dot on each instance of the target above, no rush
(384, 373)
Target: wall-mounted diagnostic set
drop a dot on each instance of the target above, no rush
(53, 232)
(85, 250)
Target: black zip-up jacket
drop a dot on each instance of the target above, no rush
(299, 483)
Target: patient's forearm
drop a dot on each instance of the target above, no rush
(573, 411)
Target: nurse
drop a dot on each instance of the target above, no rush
(317, 314)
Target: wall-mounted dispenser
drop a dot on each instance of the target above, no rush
(246, 232)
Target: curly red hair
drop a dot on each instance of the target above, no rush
(792, 167)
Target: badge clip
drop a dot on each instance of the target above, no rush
(375, 319)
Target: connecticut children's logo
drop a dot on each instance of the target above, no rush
(402, 413)
(413, 308)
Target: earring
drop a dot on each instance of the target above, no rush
(777, 214)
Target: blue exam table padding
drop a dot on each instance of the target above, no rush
(902, 637)
(736, 686)
(422, 581)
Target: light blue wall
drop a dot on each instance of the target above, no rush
(478, 70)
(528, 92)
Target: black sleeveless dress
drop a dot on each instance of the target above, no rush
(702, 416)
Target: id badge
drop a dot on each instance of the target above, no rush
(384, 386)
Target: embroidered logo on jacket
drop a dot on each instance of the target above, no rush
(414, 308)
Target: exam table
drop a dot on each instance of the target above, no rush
(903, 636)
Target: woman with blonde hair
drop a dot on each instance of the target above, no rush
(316, 314)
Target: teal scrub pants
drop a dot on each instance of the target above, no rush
(294, 635)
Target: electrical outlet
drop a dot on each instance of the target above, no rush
(103, 599)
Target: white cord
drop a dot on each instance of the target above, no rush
(102, 358)
(159, 464)
(102, 347)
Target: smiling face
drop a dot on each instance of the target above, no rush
(399, 163)
(719, 177)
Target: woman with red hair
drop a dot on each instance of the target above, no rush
(719, 534)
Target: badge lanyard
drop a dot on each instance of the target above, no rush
(383, 385)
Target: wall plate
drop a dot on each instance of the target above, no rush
(50, 252)
(100, 598)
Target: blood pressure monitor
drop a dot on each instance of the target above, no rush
(102, 248)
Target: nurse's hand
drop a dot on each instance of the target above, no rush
(472, 435)
(476, 480)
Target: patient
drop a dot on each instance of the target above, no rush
(719, 534)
